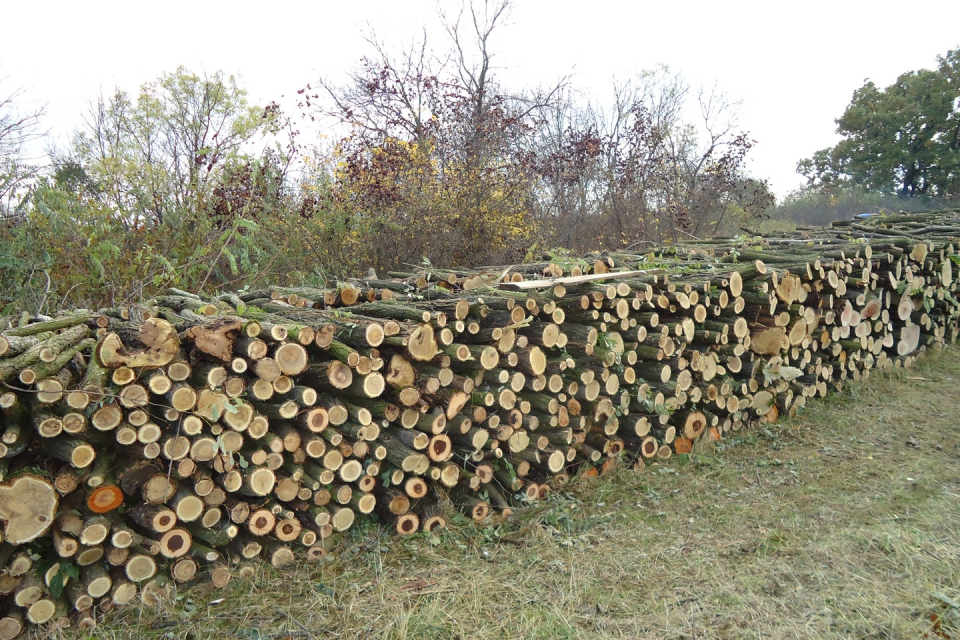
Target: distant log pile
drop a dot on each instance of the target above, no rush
(183, 438)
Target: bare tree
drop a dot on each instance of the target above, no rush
(447, 120)
(387, 96)
(658, 162)
(471, 32)
(18, 130)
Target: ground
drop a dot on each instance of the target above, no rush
(841, 523)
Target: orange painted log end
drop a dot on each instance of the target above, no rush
(105, 498)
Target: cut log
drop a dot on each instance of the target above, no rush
(158, 346)
(768, 341)
(104, 498)
(421, 344)
(216, 339)
(28, 505)
(11, 626)
(140, 568)
(291, 358)
(175, 543)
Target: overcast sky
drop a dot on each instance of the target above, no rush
(794, 65)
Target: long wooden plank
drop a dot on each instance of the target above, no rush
(539, 284)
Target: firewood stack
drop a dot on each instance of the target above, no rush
(182, 439)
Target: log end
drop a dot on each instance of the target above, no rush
(27, 507)
(422, 344)
(160, 341)
(105, 498)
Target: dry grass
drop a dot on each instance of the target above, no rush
(844, 523)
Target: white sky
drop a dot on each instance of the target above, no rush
(794, 64)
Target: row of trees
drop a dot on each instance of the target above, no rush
(190, 184)
(443, 161)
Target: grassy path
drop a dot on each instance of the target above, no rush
(843, 523)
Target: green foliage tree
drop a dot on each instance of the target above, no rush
(902, 139)
(171, 189)
(154, 158)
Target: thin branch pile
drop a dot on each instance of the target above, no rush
(184, 438)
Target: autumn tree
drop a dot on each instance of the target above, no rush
(435, 163)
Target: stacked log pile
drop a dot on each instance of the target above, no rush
(186, 437)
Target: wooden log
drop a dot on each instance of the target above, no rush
(153, 345)
(175, 543)
(11, 625)
(27, 507)
(140, 568)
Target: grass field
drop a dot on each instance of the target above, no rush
(842, 523)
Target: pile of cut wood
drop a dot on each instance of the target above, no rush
(186, 437)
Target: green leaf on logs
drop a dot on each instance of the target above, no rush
(56, 585)
(68, 571)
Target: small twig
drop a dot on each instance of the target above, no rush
(64, 301)
(631, 246)
(687, 234)
(309, 633)
(931, 554)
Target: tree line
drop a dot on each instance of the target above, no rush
(433, 159)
